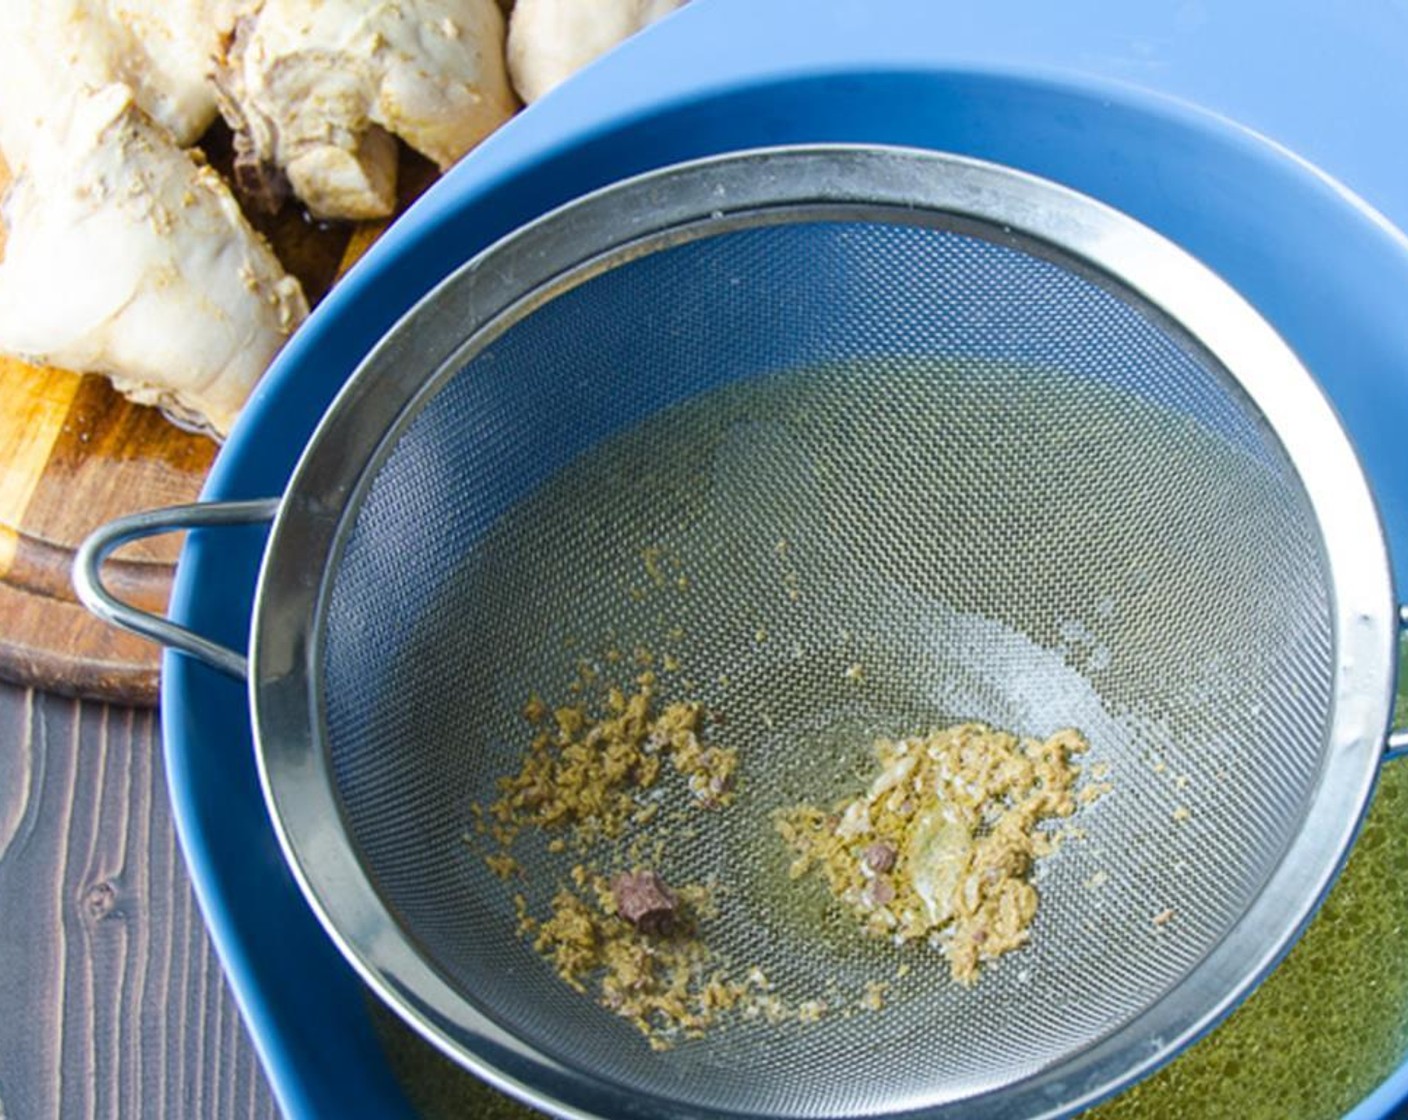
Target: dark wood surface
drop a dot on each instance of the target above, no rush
(112, 1002)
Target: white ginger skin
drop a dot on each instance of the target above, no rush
(549, 40)
(316, 89)
(126, 256)
(162, 50)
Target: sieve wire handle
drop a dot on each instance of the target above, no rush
(1398, 740)
(99, 545)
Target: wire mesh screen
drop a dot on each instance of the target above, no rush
(898, 477)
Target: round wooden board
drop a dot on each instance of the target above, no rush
(74, 454)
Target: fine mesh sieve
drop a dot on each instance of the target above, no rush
(915, 440)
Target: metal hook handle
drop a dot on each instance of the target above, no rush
(88, 582)
(93, 594)
(1397, 745)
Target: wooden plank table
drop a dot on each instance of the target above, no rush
(112, 1002)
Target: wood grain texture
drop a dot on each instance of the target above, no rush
(112, 1002)
(81, 455)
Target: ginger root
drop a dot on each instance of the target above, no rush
(549, 40)
(315, 90)
(127, 256)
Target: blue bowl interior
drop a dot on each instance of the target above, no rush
(1133, 107)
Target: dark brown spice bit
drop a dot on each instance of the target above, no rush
(879, 857)
(879, 892)
(260, 184)
(643, 899)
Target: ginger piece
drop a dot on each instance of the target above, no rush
(161, 50)
(316, 91)
(549, 40)
(178, 40)
(126, 256)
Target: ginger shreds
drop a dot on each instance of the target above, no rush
(942, 845)
(636, 944)
(586, 772)
(586, 776)
(668, 985)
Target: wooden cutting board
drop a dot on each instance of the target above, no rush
(75, 454)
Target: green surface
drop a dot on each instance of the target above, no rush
(1332, 1022)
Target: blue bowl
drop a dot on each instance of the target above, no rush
(1295, 191)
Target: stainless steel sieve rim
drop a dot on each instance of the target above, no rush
(510, 279)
